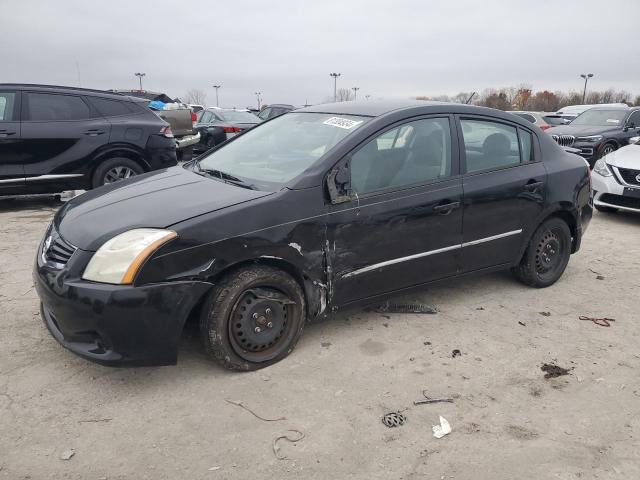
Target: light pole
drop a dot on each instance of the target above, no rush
(586, 79)
(257, 94)
(140, 75)
(367, 97)
(335, 85)
(355, 93)
(217, 87)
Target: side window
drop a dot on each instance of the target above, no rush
(53, 107)
(111, 108)
(489, 145)
(415, 152)
(526, 145)
(264, 114)
(634, 119)
(7, 103)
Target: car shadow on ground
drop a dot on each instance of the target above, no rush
(31, 202)
(621, 217)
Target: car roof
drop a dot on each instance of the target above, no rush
(63, 89)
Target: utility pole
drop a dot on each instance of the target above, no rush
(335, 85)
(257, 94)
(586, 77)
(355, 93)
(140, 75)
(217, 87)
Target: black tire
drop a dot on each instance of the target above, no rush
(606, 209)
(234, 324)
(546, 256)
(102, 174)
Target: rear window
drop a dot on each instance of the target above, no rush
(112, 108)
(54, 107)
(238, 117)
(526, 116)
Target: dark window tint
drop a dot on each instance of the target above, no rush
(489, 145)
(111, 108)
(555, 120)
(7, 103)
(51, 107)
(634, 120)
(527, 117)
(415, 152)
(526, 145)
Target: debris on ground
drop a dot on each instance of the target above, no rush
(545, 314)
(600, 277)
(428, 400)
(603, 322)
(325, 344)
(479, 308)
(553, 371)
(522, 323)
(394, 419)
(406, 308)
(241, 405)
(213, 469)
(443, 429)
(288, 438)
(67, 454)
(426, 343)
(456, 353)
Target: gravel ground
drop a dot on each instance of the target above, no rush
(508, 420)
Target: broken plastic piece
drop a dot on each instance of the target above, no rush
(443, 429)
(394, 419)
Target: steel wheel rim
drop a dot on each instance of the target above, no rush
(250, 334)
(116, 174)
(549, 253)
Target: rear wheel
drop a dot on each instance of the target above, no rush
(253, 318)
(547, 254)
(115, 169)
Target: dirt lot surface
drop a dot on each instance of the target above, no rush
(508, 421)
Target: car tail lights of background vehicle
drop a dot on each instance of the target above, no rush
(194, 117)
(166, 131)
(230, 129)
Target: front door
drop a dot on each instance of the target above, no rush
(61, 135)
(403, 225)
(11, 159)
(504, 185)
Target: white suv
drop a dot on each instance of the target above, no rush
(616, 179)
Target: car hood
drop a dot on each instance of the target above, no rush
(625, 157)
(157, 199)
(579, 130)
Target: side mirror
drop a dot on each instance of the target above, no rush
(339, 183)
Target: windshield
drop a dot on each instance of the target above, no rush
(609, 118)
(238, 117)
(279, 150)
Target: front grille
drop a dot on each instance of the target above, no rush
(564, 140)
(620, 201)
(55, 249)
(632, 177)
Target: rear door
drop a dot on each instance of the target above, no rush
(504, 190)
(61, 132)
(11, 160)
(403, 226)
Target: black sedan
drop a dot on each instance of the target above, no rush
(312, 212)
(217, 125)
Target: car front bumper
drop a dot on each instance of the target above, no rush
(609, 192)
(116, 325)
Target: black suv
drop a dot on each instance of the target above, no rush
(62, 138)
(599, 131)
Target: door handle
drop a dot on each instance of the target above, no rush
(94, 133)
(446, 208)
(533, 185)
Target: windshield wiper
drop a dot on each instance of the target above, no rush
(225, 177)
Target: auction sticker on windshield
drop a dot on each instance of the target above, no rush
(342, 122)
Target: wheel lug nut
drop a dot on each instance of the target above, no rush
(255, 316)
(267, 311)
(257, 329)
(270, 325)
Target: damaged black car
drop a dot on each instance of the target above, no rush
(315, 211)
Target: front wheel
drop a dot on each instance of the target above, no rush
(253, 318)
(546, 256)
(607, 148)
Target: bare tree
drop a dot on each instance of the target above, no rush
(196, 96)
(344, 95)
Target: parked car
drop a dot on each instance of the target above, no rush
(275, 110)
(599, 131)
(195, 108)
(180, 116)
(542, 119)
(62, 138)
(572, 111)
(616, 179)
(216, 125)
(313, 212)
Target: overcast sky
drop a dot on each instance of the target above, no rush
(287, 48)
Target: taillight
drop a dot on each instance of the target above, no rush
(166, 132)
(544, 126)
(228, 129)
(194, 117)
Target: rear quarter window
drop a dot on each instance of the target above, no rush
(112, 108)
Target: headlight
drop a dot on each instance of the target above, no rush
(119, 259)
(590, 139)
(601, 168)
